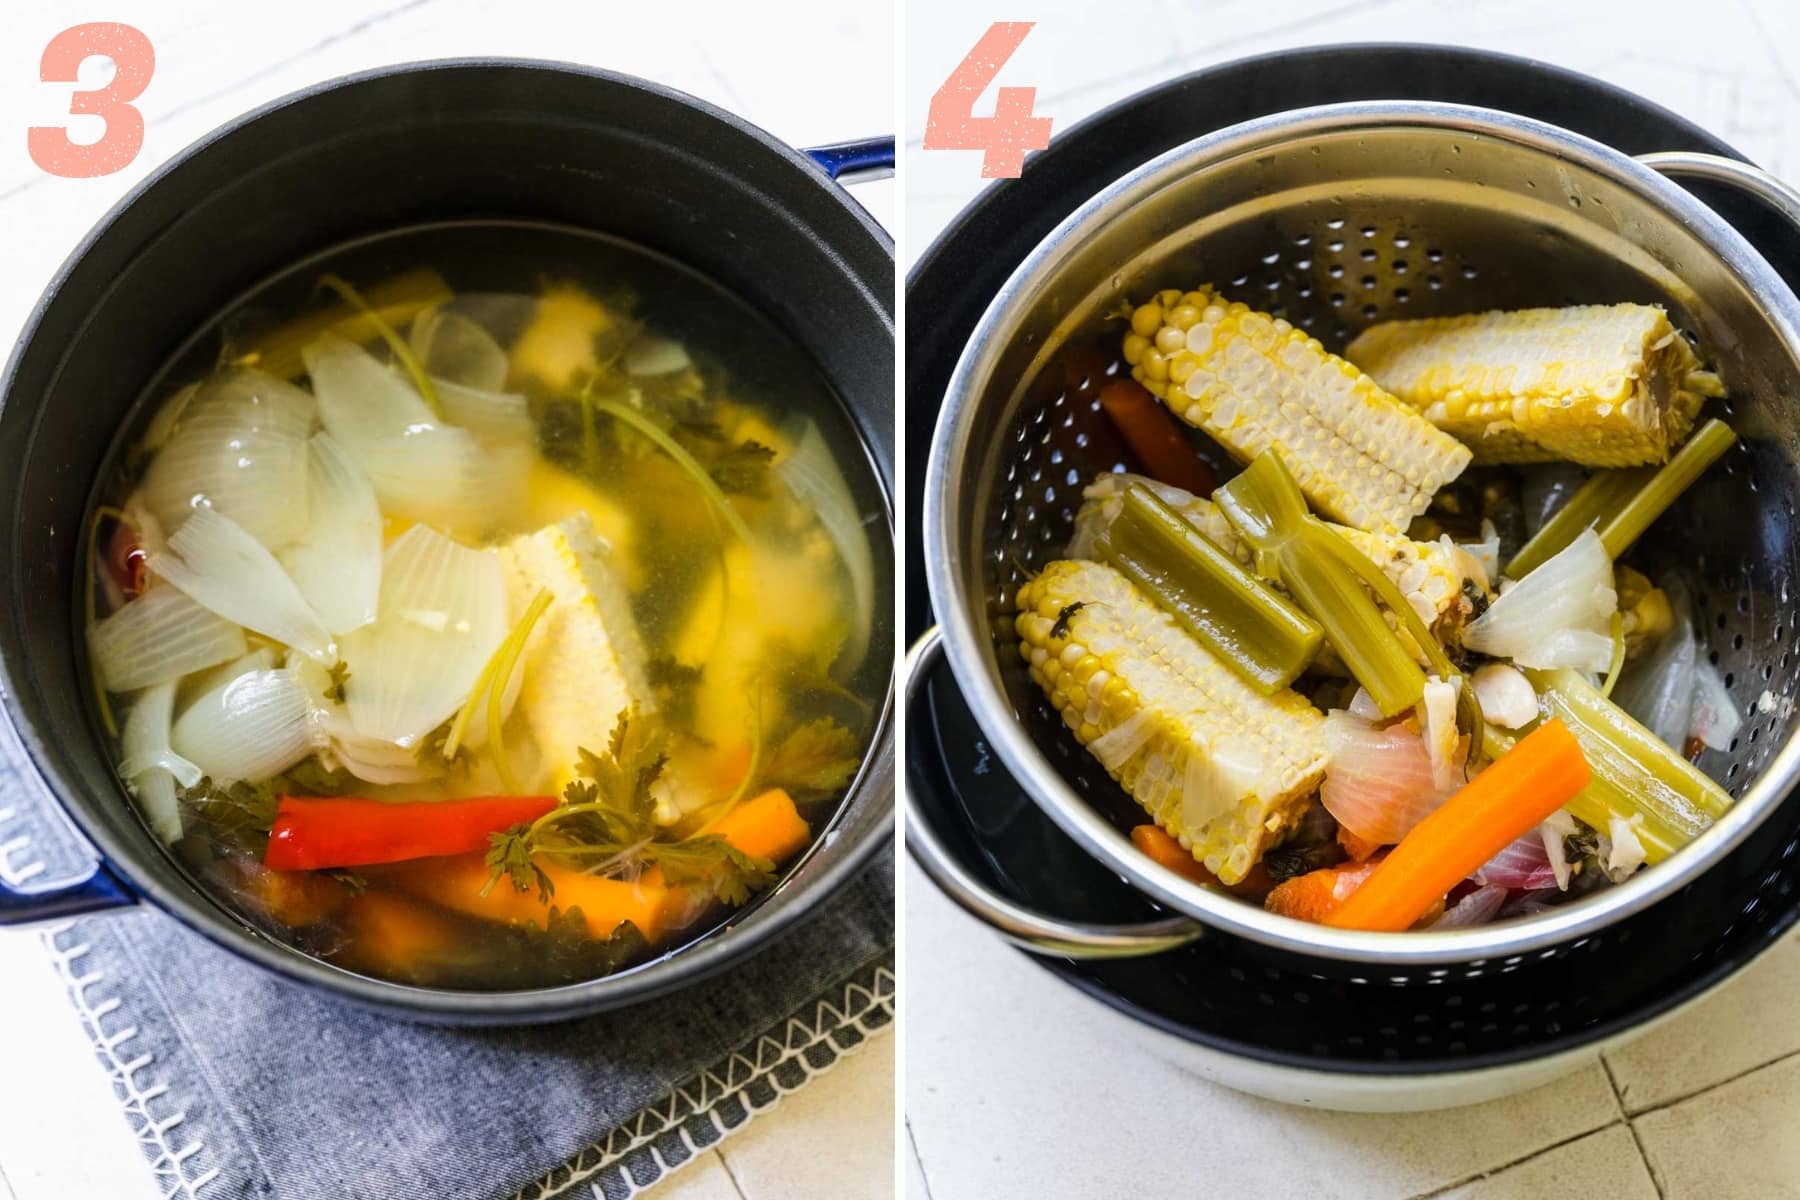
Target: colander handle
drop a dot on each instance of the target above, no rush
(1686, 164)
(1021, 926)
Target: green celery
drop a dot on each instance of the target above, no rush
(392, 303)
(1635, 773)
(1620, 505)
(1264, 504)
(1259, 633)
(1699, 452)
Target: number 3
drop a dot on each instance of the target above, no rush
(133, 59)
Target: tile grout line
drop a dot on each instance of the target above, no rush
(1637, 1141)
(6, 1187)
(1684, 1097)
(912, 1143)
(729, 1173)
(1488, 1172)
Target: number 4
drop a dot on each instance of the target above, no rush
(951, 123)
(134, 60)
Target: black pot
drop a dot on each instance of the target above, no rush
(393, 148)
(1288, 1025)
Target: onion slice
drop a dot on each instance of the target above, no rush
(443, 611)
(811, 473)
(337, 563)
(149, 764)
(222, 567)
(1378, 781)
(1523, 865)
(238, 447)
(1557, 616)
(254, 727)
(454, 349)
(1476, 908)
(159, 637)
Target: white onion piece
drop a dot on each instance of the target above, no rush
(1476, 908)
(1363, 705)
(651, 355)
(1218, 778)
(1658, 689)
(456, 350)
(498, 418)
(162, 426)
(1715, 718)
(360, 400)
(1506, 697)
(1558, 616)
(262, 658)
(1479, 561)
(160, 636)
(222, 567)
(253, 728)
(1523, 864)
(1625, 853)
(1439, 731)
(336, 563)
(812, 474)
(439, 475)
(443, 613)
(1378, 782)
(1557, 826)
(149, 765)
(239, 448)
(369, 759)
(1116, 746)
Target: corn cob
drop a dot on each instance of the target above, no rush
(1224, 769)
(1429, 574)
(1253, 382)
(1602, 385)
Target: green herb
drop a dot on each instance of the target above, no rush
(819, 756)
(509, 853)
(1061, 628)
(312, 778)
(743, 469)
(241, 812)
(674, 684)
(714, 863)
(571, 953)
(340, 678)
(350, 881)
(431, 750)
(402, 352)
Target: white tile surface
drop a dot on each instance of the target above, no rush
(1572, 1169)
(1010, 1092)
(821, 73)
(833, 1138)
(1749, 1023)
(1735, 1142)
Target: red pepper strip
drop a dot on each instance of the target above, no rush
(313, 833)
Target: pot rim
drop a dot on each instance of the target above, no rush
(716, 949)
(944, 503)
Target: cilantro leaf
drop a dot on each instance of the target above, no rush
(819, 756)
(712, 862)
(744, 469)
(509, 854)
(340, 678)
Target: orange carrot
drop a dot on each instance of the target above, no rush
(1157, 844)
(1155, 437)
(1358, 848)
(1316, 894)
(396, 936)
(1522, 787)
(766, 826)
(458, 881)
(295, 898)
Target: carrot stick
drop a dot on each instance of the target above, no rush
(1522, 787)
(1314, 895)
(1158, 845)
(396, 936)
(766, 826)
(1155, 437)
(458, 881)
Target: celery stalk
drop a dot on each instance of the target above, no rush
(392, 303)
(1257, 632)
(1635, 774)
(1699, 452)
(1264, 504)
(1620, 505)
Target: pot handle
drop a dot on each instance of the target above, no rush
(856, 162)
(98, 890)
(1714, 168)
(1024, 928)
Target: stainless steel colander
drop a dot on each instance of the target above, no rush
(1337, 217)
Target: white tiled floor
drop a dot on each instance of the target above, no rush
(1013, 1090)
(62, 1136)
